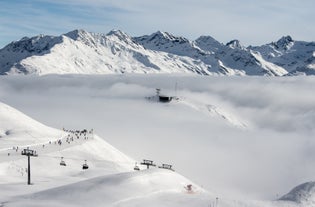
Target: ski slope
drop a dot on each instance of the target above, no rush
(17, 129)
(148, 187)
(50, 145)
(110, 181)
(109, 171)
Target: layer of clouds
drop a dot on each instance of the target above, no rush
(247, 20)
(272, 155)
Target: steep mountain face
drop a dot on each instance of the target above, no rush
(82, 52)
(15, 52)
(208, 43)
(165, 42)
(297, 57)
(229, 59)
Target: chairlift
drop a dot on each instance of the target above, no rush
(85, 166)
(62, 162)
(136, 167)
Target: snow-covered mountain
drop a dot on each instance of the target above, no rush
(229, 59)
(82, 52)
(297, 57)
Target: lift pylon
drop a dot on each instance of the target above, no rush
(29, 153)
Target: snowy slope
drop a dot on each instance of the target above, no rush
(18, 129)
(214, 111)
(148, 187)
(20, 132)
(153, 187)
(56, 185)
(82, 52)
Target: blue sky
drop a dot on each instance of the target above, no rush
(253, 22)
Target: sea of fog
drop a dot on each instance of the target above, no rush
(272, 151)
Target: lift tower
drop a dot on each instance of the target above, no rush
(148, 163)
(29, 153)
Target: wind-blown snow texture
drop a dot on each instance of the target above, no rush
(81, 52)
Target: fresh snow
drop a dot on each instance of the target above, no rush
(23, 132)
(234, 142)
(295, 56)
(82, 52)
(108, 182)
(244, 141)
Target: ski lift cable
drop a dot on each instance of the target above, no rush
(78, 159)
(91, 160)
(32, 135)
(64, 158)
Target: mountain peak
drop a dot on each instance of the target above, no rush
(207, 38)
(122, 37)
(208, 43)
(77, 34)
(235, 44)
(118, 33)
(36, 44)
(164, 37)
(287, 39)
(82, 36)
(284, 42)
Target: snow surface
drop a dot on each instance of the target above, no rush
(82, 52)
(295, 56)
(243, 140)
(23, 132)
(108, 182)
(17, 129)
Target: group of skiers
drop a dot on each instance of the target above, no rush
(72, 134)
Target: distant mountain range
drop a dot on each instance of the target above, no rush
(82, 52)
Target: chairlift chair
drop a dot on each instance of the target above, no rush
(62, 162)
(85, 166)
(136, 167)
